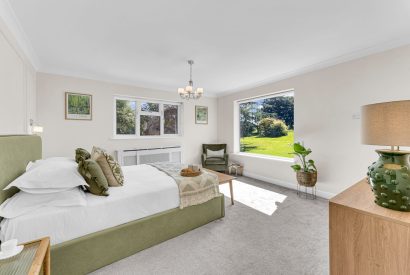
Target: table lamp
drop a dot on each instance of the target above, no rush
(388, 124)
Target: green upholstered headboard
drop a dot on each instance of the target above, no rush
(15, 154)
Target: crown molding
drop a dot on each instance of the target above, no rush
(119, 81)
(357, 54)
(16, 30)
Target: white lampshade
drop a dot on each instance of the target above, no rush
(37, 129)
(200, 90)
(181, 90)
(188, 88)
(386, 123)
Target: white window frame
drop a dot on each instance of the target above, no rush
(138, 113)
(237, 126)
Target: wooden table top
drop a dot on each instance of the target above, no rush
(360, 198)
(222, 178)
(29, 261)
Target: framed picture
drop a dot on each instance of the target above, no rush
(201, 114)
(78, 106)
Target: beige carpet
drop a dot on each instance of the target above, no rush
(269, 230)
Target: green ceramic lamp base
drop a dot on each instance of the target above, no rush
(389, 178)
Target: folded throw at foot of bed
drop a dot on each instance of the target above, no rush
(192, 190)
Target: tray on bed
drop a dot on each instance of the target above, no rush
(190, 173)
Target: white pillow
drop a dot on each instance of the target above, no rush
(36, 163)
(22, 202)
(49, 176)
(214, 154)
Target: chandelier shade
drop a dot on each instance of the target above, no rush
(189, 92)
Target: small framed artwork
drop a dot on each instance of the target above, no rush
(78, 106)
(201, 114)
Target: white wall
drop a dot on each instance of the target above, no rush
(61, 137)
(17, 86)
(325, 102)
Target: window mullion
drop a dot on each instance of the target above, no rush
(161, 119)
(137, 119)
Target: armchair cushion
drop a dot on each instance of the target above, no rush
(215, 154)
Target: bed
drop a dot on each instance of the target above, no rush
(80, 249)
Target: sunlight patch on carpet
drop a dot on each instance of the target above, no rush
(257, 198)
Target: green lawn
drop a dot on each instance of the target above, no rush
(280, 146)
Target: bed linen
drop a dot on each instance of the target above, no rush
(146, 191)
(22, 202)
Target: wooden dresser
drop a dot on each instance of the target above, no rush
(366, 238)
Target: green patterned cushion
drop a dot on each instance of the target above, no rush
(81, 154)
(111, 168)
(94, 176)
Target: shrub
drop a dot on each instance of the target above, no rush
(270, 127)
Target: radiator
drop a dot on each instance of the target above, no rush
(151, 155)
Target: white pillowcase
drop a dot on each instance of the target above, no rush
(33, 164)
(49, 176)
(22, 202)
(214, 154)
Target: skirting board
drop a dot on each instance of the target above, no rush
(319, 193)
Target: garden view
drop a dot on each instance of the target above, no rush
(266, 126)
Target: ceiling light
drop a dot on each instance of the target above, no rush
(188, 92)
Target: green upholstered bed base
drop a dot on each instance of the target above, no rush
(93, 251)
(90, 252)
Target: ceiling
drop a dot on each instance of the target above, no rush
(236, 44)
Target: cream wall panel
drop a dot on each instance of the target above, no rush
(325, 103)
(17, 86)
(12, 90)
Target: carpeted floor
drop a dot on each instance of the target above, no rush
(292, 240)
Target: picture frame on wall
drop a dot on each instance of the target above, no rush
(78, 106)
(201, 114)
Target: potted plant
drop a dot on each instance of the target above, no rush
(306, 172)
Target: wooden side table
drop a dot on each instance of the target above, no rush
(34, 258)
(224, 178)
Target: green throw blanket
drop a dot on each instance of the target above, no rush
(192, 190)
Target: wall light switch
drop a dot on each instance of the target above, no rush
(356, 116)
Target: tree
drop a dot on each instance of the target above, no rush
(281, 107)
(249, 116)
(125, 117)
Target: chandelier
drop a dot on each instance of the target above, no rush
(188, 92)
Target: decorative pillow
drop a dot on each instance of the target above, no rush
(81, 154)
(110, 167)
(214, 154)
(94, 176)
(49, 176)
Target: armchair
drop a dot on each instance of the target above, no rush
(214, 163)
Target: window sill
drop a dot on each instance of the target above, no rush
(260, 156)
(144, 137)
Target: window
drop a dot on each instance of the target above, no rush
(266, 125)
(170, 119)
(146, 118)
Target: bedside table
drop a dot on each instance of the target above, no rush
(34, 258)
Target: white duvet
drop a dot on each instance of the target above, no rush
(146, 191)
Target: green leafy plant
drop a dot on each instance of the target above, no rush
(306, 165)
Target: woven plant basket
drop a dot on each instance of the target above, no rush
(306, 178)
